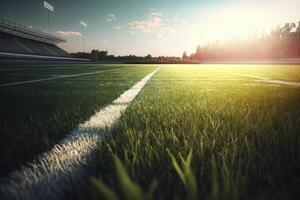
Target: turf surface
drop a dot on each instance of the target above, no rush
(36, 116)
(194, 132)
(205, 132)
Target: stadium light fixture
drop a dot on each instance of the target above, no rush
(84, 25)
(49, 7)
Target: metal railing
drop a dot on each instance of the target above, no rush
(27, 32)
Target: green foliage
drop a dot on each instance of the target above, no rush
(96, 55)
(129, 189)
(282, 42)
(104, 190)
(243, 134)
(186, 174)
(194, 132)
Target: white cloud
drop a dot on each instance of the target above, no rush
(174, 18)
(164, 31)
(156, 14)
(111, 17)
(153, 25)
(145, 26)
(131, 32)
(67, 33)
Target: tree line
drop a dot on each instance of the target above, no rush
(103, 56)
(281, 42)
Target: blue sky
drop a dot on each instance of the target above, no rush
(157, 27)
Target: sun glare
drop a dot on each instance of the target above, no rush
(243, 21)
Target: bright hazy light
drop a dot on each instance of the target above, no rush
(244, 20)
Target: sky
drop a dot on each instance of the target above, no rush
(156, 27)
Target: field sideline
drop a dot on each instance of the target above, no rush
(194, 131)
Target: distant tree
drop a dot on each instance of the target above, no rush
(80, 55)
(148, 56)
(197, 54)
(94, 55)
(103, 54)
(184, 56)
(282, 42)
(298, 27)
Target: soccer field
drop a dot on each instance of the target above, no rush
(193, 132)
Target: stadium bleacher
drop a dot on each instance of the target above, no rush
(15, 44)
(21, 40)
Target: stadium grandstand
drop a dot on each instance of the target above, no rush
(22, 42)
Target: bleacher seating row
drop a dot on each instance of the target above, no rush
(19, 45)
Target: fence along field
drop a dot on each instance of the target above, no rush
(202, 132)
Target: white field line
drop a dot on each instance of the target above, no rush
(55, 77)
(267, 80)
(52, 174)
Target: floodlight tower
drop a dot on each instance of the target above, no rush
(84, 25)
(50, 8)
(298, 33)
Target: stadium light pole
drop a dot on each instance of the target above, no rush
(50, 8)
(298, 33)
(84, 25)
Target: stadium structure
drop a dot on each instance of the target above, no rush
(18, 42)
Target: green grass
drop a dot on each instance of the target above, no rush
(204, 132)
(194, 132)
(36, 116)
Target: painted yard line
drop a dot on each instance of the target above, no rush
(55, 77)
(129, 95)
(267, 80)
(52, 175)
